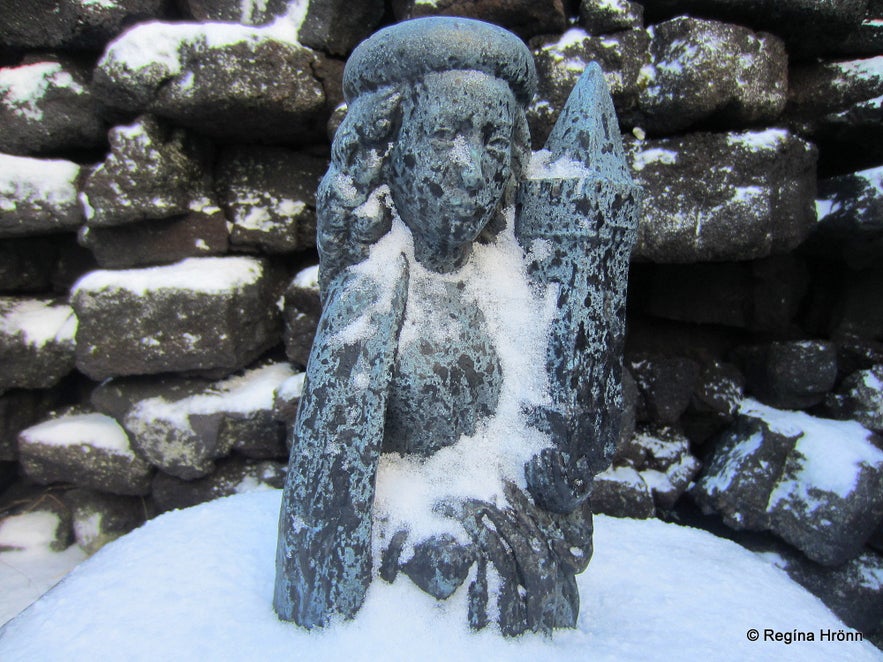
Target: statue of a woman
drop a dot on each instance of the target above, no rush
(463, 387)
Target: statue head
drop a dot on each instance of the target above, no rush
(436, 115)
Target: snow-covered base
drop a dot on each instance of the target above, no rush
(198, 584)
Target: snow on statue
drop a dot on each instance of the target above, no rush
(464, 385)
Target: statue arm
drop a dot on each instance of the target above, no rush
(577, 222)
(323, 561)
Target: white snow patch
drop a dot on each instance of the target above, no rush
(653, 155)
(826, 208)
(47, 181)
(39, 322)
(22, 88)
(292, 387)
(177, 595)
(210, 275)
(718, 483)
(542, 167)
(307, 279)
(768, 139)
(95, 430)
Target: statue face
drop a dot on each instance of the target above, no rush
(452, 162)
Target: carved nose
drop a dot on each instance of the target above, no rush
(471, 173)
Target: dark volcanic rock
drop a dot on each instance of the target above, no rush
(100, 518)
(336, 26)
(233, 476)
(790, 375)
(524, 17)
(71, 23)
(47, 106)
(301, 312)
(236, 11)
(158, 241)
(37, 345)
(666, 385)
(602, 16)
(153, 171)
(713, 197)
(38, 196)
(269, 194)
(20, 409)
(228, 81)
(87, 449)
(206, 314)
(814, 483)
(860, 398)
(621, 492)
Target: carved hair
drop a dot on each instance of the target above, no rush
(353, 206)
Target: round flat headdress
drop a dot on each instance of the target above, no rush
(408, 50)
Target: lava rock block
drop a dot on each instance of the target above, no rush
(90, 450)
(850, 212)
(101, 518)
(792, 374)
(666, 385)
(622, 492)
(719, 390)
(709, 71)
(227, 81)
(20, 409)
(814, 483)
(269, 194)
(44, 525)
(300, 313)
(153, 171)
(526, 18)
(857, 312)
(184, 429)
(26, 264)
(860, 398)
(603, 16)
(47, 107)
(250, 12)
(560, 62)
(71, 23)
(233, 476)
(337, 26)
(200, 314)
(714, 197)
(200, 233)
(38, 196)
(37, 346)
(439, 565)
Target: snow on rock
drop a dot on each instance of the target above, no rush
(269, 193)
(860, 398)
(183, 436)
(793, 374)
(226, 80)
(622, 492)
(816, 483)
(153, 171)
(198, 314)
(87, 449)
(38, 196)
(732, 196)
(47, 107)
(301, 311)
(100, 518)
(603, 16)
(176, 595)
(36, 342)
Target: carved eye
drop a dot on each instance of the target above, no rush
(443, 135)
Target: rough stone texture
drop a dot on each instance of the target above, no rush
(36, 342)
(87, 449)
(860, 398)
(336, 26)
(621, 492)
(158, 241)
(71, 23)
(46, 107)
(666, 385)
(230, 82)
(287, 399)
(716, 399)
(26, 264)
(561, 61)
(201, 314)
(300, 314)
(818, 490)
(706, 71)
(857, 311)
(232, 476)
(184, 428)
(524, 17)
(850, 211)
(101, 518)
(807, 26)
(250, 12)
(439, 565)
(662, 457)
(153, 171)
(790, 375)
(269, 194)
(602, 16)
(38, 196)
(837, 105)
(31, 513)
(20, 409)
(733, 196)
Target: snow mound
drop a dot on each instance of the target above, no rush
(654, 591)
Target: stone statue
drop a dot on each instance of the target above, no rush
(464, 384)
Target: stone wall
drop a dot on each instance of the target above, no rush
(158, 166)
